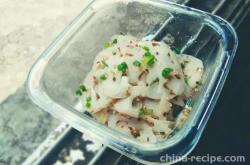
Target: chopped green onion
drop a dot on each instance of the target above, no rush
(114, 41)
(148, 59)
(144, 112)
(141, 112)
(103, 77)
(145, 48)
(176, 50)
(122, 67)
(147, 54)
(198, 83)
(88, 102)
(83, 88)
(186, 79)
(78, 92)
(104, 63)
(155, 81)
(121, 33)
(137, 63)
(88, 99)
(166, 72)
(182, 65)
(149, 112)
(151, 61)
(107, 45)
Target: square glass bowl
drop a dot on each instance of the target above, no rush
(64, 64)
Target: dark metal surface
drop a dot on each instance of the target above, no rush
(232, 10)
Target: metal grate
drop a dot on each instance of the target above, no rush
(232, 10)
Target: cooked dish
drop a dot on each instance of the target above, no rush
(141, 88)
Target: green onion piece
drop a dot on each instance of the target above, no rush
(122, 67)
(88, 102)
(176, 50)
(166, 72)
(148, 59)
(83, 88)
(104, 63)
(121, 33)
(198, 83)
(146, 112)
(145, 48)
(149, 112)
(137, 63)
(186, 79)
(107, 45)
(103, 77)
(141, 112)
(182, 66)
(78, 92)
(155, 81)
(147, 54)
(88, 98)
(114, 41)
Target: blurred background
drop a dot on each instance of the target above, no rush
(29, 135)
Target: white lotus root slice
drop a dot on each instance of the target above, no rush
(193, 69)
(133, 96)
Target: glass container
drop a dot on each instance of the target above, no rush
(60, 69)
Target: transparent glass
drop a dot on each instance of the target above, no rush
(64, 64)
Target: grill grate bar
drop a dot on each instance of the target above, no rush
(242, 13)
(211, 6)
(218, 7)
(228, 9)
